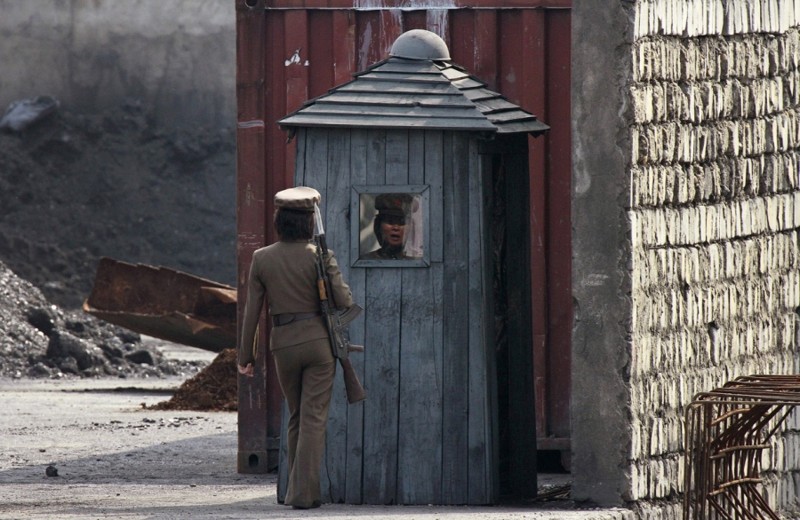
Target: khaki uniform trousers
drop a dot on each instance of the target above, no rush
(305, 373)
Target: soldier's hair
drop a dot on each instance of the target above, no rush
(294, 225)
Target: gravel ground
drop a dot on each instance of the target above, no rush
(117, 459)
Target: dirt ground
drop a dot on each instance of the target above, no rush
(117, 457)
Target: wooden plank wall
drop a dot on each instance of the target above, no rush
(424, 435)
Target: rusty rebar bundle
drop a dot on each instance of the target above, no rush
(727, 429)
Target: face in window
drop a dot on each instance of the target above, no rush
(390, 227)
(393, 231)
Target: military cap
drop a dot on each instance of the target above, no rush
(301, 198)
(393, 204)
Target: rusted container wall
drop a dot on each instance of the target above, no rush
(291, 51)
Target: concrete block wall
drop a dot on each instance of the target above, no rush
(686, 240)
(714, 219)
(176, 57)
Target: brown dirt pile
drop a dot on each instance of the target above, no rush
(213, 389)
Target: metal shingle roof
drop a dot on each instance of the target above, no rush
(415, 93)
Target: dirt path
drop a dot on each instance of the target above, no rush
(118, 460)
(114, 458)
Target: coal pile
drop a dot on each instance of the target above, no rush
(41, 340)
(77, 187)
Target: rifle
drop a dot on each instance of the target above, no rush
(334, 321)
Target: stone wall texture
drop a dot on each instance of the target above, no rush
(177, 58)
(714, 103)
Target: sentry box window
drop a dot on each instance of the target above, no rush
(392, 228)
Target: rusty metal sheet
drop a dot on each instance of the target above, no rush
(259, 396)
(557, 254)
(165, 304)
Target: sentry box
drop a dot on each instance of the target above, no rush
(425, 184)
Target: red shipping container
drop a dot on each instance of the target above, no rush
(291, 51)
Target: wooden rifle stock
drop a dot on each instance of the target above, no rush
(352, 386)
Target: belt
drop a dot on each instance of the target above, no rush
(279, 320)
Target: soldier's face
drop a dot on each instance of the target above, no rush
(393, 232)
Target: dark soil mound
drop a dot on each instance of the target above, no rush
(76, 187)
(213, 389)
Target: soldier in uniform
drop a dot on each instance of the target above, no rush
(285, 272)
(389, 226)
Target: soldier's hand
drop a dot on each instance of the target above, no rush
(246, 370)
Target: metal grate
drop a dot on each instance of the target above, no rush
(727, 430)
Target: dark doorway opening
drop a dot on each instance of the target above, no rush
(507, 159)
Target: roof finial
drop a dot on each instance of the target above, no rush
(419, 44)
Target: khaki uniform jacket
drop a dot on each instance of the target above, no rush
(285, 272)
